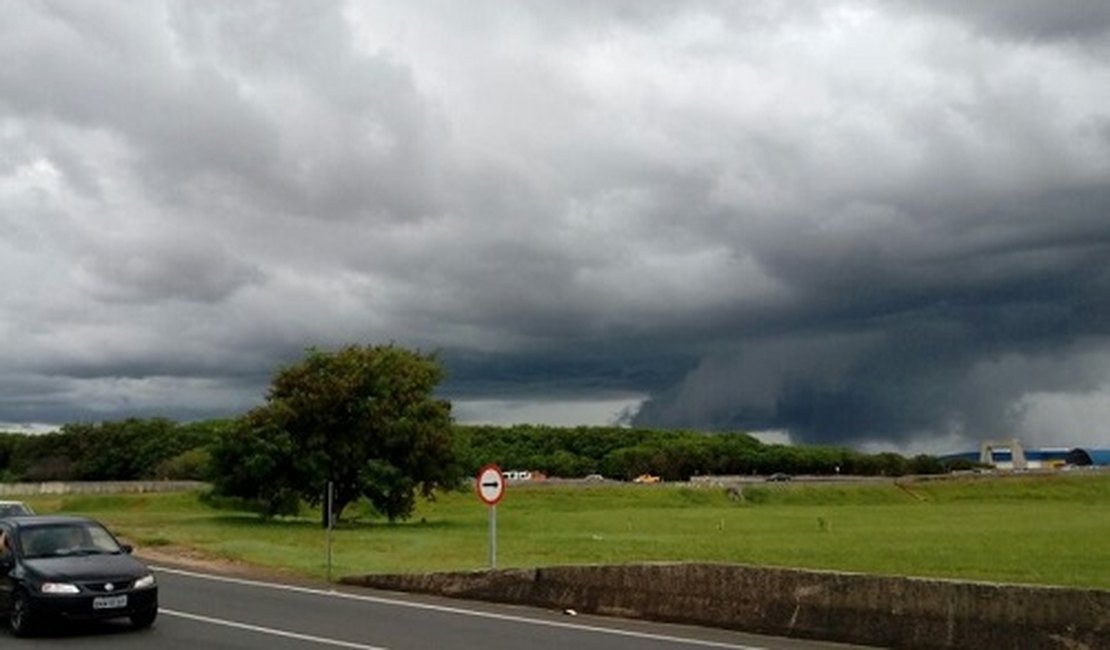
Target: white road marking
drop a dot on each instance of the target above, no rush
(458, 610)
(269, 630)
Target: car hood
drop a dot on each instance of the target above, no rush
(86, 567)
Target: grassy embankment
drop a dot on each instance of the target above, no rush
(1031, 529)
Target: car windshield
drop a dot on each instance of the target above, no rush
(60, 540)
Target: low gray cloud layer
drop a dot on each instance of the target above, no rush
(859, 222)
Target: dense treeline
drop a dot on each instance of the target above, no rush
(673, 455)
(130, 449)
(159, 448)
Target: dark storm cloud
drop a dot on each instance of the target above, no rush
(1028, 19)
(855, 221)
(941, 335)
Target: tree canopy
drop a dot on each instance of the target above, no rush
(363, 417)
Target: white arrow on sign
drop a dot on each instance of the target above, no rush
(491, 484)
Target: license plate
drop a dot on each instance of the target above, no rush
(110, 602)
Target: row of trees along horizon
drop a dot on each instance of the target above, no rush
(366, 419)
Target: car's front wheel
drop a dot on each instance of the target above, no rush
(144, 619)
(20, 620)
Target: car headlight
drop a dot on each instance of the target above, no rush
(145, 581)
(59, 588)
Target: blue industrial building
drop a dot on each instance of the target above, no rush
(1011, 455)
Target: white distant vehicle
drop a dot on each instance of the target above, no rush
(518, 475)
(15, 509)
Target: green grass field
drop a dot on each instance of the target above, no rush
(1028, 529)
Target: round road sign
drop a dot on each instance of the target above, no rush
(491, 484)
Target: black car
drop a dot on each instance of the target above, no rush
(72, 568)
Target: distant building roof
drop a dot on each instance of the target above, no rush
(1072, 456)
(1098, 457)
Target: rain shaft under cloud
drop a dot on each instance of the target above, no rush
(859, 222)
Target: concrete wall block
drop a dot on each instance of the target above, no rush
(853, 608)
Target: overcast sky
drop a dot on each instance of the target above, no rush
(864, 223)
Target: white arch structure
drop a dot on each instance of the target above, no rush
(1017, 453)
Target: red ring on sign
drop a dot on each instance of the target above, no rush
(490, 500)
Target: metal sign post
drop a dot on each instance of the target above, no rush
(491, 488)
(329, 518)
(493, 537)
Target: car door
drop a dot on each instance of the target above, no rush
(7, 563)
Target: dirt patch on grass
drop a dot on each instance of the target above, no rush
(187, 558)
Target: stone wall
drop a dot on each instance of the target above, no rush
(851, 608)
(96, 487)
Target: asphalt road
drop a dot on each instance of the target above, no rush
(200, 611)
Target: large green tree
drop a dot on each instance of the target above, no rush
(363, 417)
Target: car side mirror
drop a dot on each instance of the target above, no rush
(127, 548)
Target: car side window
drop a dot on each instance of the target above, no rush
(102, 540)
